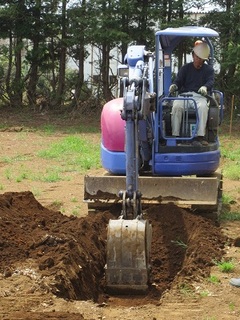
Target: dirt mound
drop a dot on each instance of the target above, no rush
(48, 315)
(69, 252)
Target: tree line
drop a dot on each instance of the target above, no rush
(38, 37)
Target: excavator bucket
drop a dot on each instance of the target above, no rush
(128, 251)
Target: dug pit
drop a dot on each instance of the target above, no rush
(66, 255)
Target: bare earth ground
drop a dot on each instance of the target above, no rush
(52, 263)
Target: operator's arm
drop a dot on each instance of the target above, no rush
(181, 76)
(209, 77)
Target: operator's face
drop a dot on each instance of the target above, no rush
(197, 62)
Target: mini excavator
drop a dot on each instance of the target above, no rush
(144, 163)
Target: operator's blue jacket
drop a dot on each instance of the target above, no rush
(191, 79)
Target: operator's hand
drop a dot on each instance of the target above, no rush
(173, 87)
(203, 91)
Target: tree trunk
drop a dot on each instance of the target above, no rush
(80, 79)
(81, 55)
(17, 88)
(62, 61)
(9, 69)
(105, 72)
(33, 74)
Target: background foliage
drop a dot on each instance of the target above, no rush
(38, 37)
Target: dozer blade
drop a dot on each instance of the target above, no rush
(187, 190)
(128, 250)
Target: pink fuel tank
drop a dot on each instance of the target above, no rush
(112, 125)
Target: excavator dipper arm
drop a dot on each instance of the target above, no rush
(129, 237)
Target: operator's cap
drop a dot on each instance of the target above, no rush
(201, 49)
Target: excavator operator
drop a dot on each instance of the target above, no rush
(195, 79)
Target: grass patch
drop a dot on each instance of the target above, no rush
(74, 151)
(225, 266)
(232, 171)
(76, 211)
(230, 216)
(230, 152)
(227, 199)
(22, 177)
(3, 126)
(8, 174)
(6, 160)
(204, 293)
(57, 203)
(73, 154)
(15, 159)
(213, 279)
(53, 174)
(49, 129)
(231, 306)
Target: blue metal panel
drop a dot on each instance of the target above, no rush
(178, 164)
(134, 54)
(113, 162)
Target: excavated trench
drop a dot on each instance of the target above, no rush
(69, 252)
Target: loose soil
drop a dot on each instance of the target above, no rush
(52, 261)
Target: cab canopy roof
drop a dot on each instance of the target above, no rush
(171, 37)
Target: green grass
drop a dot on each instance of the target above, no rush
(52, 174)
(49, 129)
(213, 279)
(227, 199)
(204, 293)
(232, 171)
(230, 216)
(231, 306)
(230, 152)
(74, 152)
(227, 214)
(3, 126)
(225, 266)
(57, 203)
(17, 158)
(8, 173)
(76, 211)
(22, 176)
